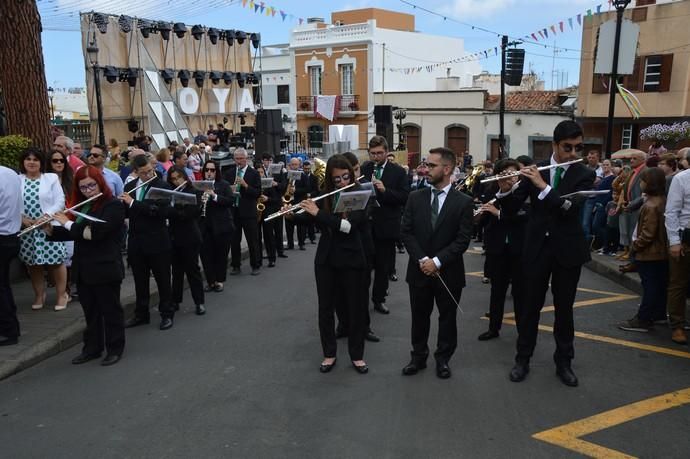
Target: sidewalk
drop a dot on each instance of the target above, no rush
(608, 267)
(47, 332)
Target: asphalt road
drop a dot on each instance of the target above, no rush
(243, 382)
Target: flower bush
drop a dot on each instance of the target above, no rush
(667, 132)
(11, 147)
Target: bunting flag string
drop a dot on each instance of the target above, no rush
(554, 29)
(270, 11)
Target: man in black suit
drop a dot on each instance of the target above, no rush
(299, 190)
(555, 248)
(148, 245)
(392, 188)
(275, 202)
(312, 185)
(436, 229)
(247, 182)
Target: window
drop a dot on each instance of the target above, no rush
(626, 136)
(652, 73)
(347, 79)
(283, 94)
(645, 2)
(639, 14)
(315, 79)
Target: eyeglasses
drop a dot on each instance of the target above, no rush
(340, 178)
(88, 187)
(568, 147)
(210, 169)
(96, 155)
(57, 161)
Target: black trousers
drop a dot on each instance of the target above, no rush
(342, 313)
(250, 227)
(385, 254)
(185, 260)
(505, 269)
(290, 232)
(105, 318)
(143, 264)
(214, 256)
(333, 285)
(9, 325)
(422, 304)
(267, 239)
(310, 229)
(564, 287)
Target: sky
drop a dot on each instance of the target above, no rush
(65, 62)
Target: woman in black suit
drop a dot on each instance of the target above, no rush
(339, 262)
(97, 265)
(216, 227)
(185, 237)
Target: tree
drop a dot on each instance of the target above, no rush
(22, 72)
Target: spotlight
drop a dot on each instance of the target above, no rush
(164, 28)
(240, 36)
(240, 77)
(253, 78)
(229, 36)
(197, 32)
(180, 29)
(101, 21)
(199, 77)
(183, 75)
(227, 77)
(242, 120)
(111, 73)
(131, 76)
(256, 39)
(145, 27)
(125, 23)
(132, 125)
(213, 35)
(167, 75)
(215, 77)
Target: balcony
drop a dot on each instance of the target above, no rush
(332, 35)
(345, 106)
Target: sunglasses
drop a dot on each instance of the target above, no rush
(96, 155)
(568, 147)
(340, 178)
(210, 169)
(57, 161)
(88, 187)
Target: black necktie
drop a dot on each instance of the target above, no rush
(435, 206)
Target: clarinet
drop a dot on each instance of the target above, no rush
(204, 203)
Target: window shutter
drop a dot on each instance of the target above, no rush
(598, 86)
(666, 68)
(645, 2)
(633, 82)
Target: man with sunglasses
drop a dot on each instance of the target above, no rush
(98, 157)
(555, 247)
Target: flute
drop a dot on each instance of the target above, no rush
(479, 211)
(542, 168)
(143, 184)
(182, 185)
(45, 220)
(297, 206)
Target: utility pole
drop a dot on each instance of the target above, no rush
(620, 6)
(502, 109)
(383, 75)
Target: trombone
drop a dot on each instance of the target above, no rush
(48, 218)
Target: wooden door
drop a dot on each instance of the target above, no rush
(412, 137)
(456, 140)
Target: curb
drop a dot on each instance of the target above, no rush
(629, 281)
(69, 336)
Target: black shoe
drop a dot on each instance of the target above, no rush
(442, 370)
(218, 287)
(111, 359)
(393, 278)
(313, 241)
(519, 371)
(255, 272)
(340, 333)
(9, 341)
(361, 369)
(166, 323)
(487, 315)
(566, 375)
(302, 247)
(83, 358)
(271, 264)
(326, 368)
(200, 309)
(381, 308)
(370, 336)
(413, 367)
(488, 335)
(290, 247)
(235, 271)
(136, 321)
(176, 306)
(282, 255)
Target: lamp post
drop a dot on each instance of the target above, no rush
(620, 6)
(51, 94)
(400, 114)
(92, 51)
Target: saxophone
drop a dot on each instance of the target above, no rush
(289, 192)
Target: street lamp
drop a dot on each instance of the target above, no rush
(92, 52)
(51, 94)
(400, 114)
(620, 6)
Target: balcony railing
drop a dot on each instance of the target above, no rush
(333, 34)
(345, 105)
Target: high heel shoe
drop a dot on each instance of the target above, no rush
(326, 367)
(36, 307)
(62, 307)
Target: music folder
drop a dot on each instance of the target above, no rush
(351, 201)
(266, 183)
(203, 185)
(372, 198)
(275, 168)
(294, 175)
(173, 197)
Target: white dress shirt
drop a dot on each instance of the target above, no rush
(678, 206)
(552, 174)
(441, 200)
(11, 198)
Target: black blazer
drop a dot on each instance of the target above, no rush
(386, 219)
(184, 221)
(510, 226)
(311, 184)
(97, 260)
(249, 195)
(218, 219)
(148, 231)
(275, 194)
(558, 217)
(447, 241)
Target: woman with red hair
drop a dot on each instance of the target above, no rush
(97, 264)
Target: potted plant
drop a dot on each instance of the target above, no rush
(353, 106)
(304, 106)
(667, 134)
(11, 147)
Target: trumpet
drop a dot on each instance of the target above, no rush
(517, 173)
(48, 218)
(290, 209)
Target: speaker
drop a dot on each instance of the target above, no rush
(383, 114)
(515, 61)
(386, 130)
(266, 143)
(269, 121)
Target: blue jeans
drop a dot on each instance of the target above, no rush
(654, 277)
(587, 217)
(599, 224)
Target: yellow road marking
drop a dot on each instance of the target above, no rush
(578, 304)
(569, 435)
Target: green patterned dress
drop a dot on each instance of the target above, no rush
(35, 250)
